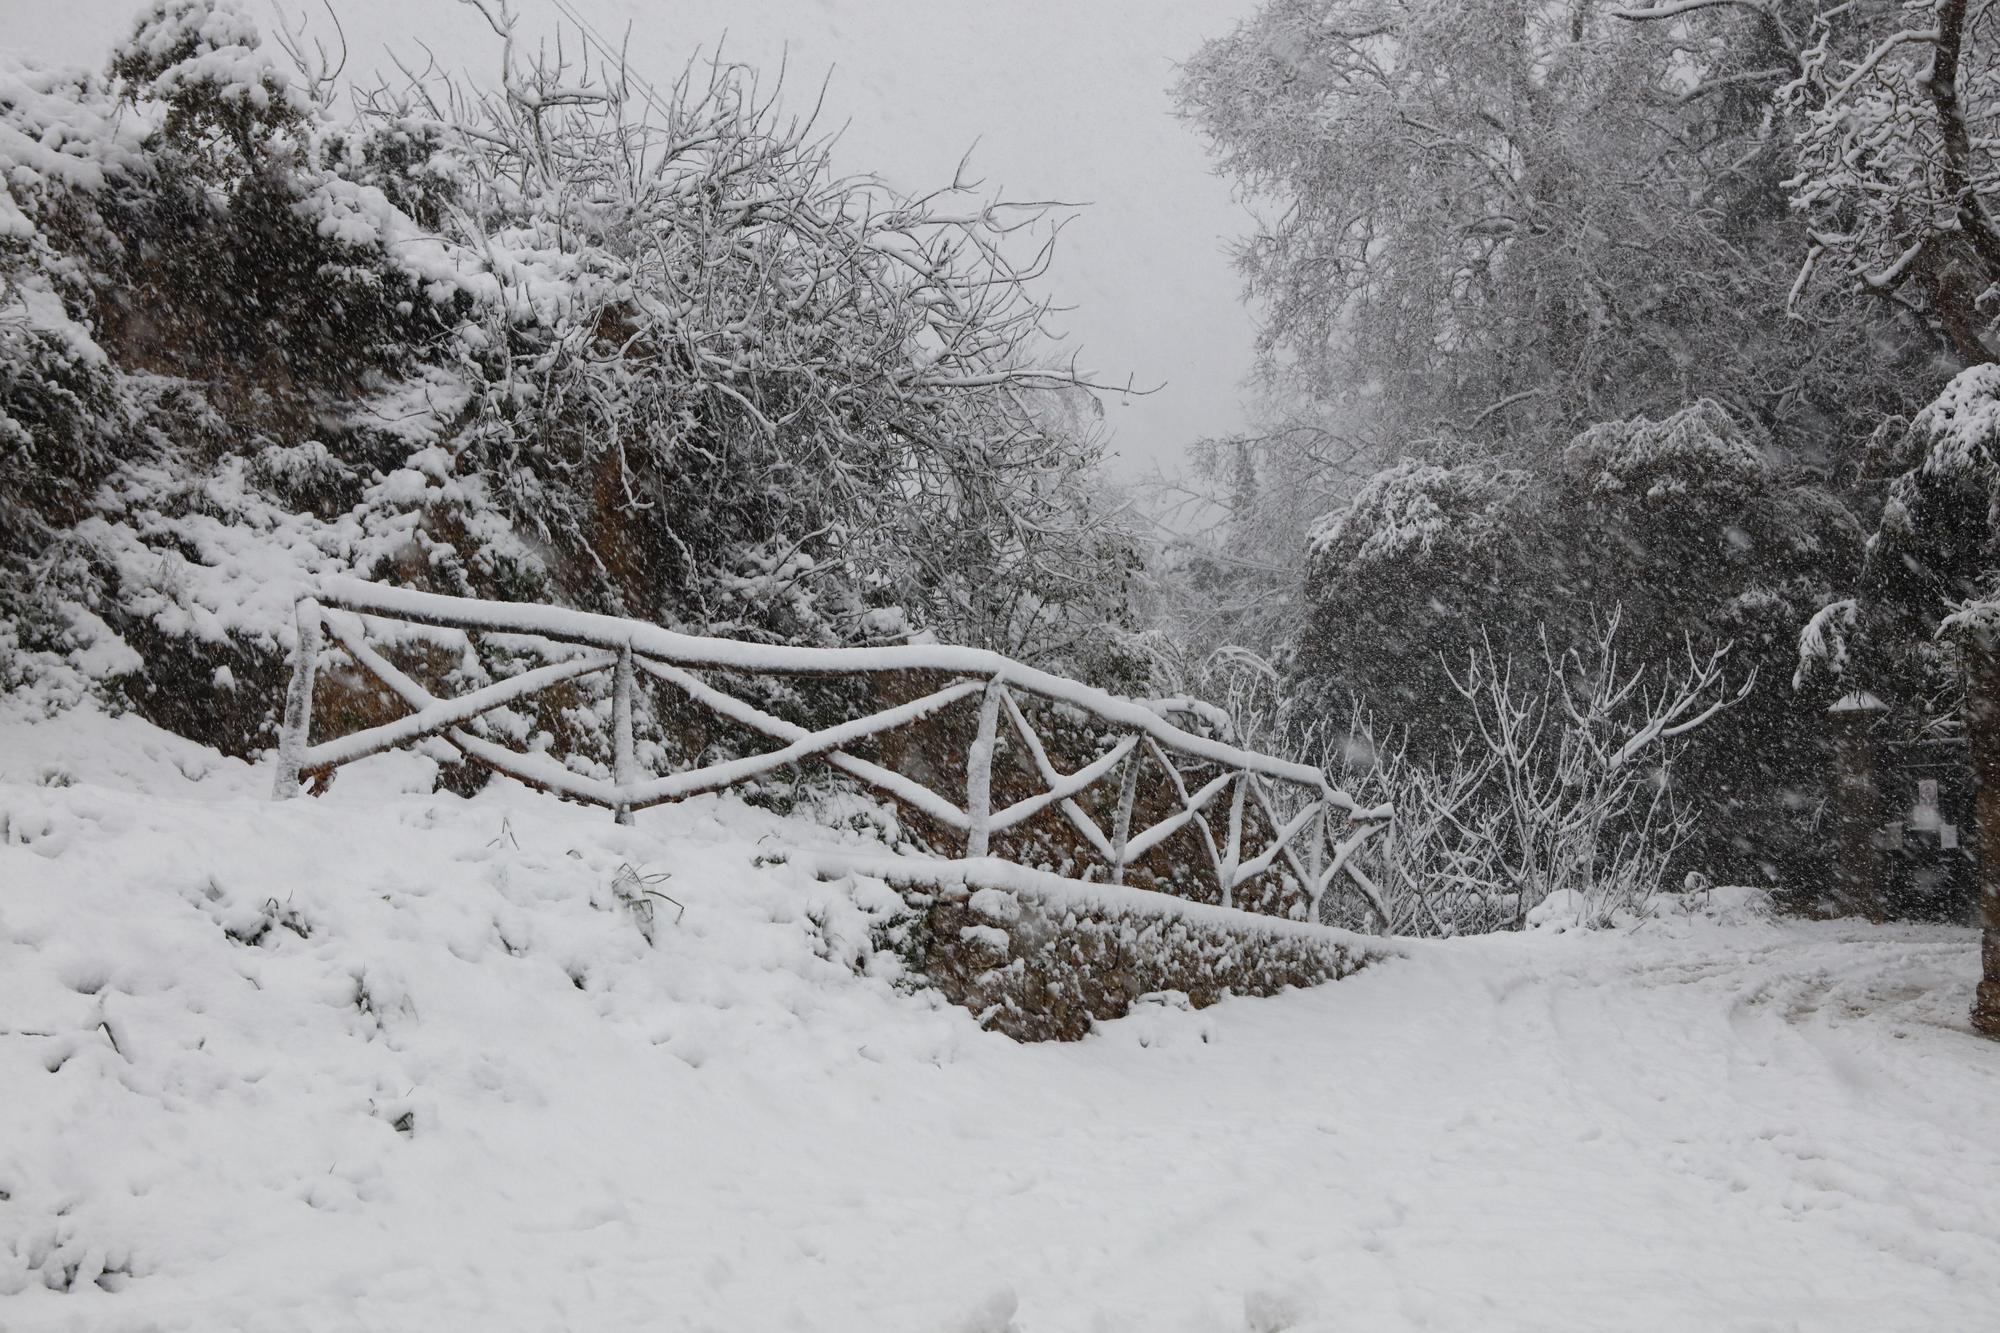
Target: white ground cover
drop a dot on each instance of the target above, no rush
(395, 1060)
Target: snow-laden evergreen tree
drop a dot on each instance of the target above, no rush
(1922, 629)
(1684, 528)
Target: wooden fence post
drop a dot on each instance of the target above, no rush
(1316, 861)
(624, 771)
(296, 729)
(1121, 828)
(1982, 725)
(979, 774)
(1225, 871)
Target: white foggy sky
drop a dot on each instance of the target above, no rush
(1063, 99)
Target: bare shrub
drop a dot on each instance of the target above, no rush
(1565, 785)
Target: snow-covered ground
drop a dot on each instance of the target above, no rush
(393, 1060)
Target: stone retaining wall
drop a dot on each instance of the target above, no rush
(1040, 958)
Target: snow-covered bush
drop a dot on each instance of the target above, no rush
(1939, 539)
(577, 337)
(1425, 559)
(742, 389)
(1684, 526)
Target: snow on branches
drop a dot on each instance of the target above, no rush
(766, 368)
(1931, 581)
(1897, 174)
(571, 335)
(1563, 785)
(1936, 554)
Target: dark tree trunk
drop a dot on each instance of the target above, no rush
(1982, 719)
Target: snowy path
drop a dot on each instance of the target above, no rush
(1750, 1130)
(1756, 1128)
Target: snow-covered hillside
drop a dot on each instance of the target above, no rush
(397, 1060)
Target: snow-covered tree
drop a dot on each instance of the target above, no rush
(776, 378)
(1923, 626)
(576, 336)
(1897, 172)
(1503, 221)
(1502, 248)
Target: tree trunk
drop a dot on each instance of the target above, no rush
(1982, 724)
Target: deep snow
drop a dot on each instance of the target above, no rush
(450, 1085)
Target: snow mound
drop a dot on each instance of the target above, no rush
(1165, 1019)
(1730, 905)
(241, 1034)
(1720, 905)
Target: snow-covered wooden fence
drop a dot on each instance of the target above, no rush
(1310, 827)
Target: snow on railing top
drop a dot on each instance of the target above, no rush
(687, 650)
(628, 647)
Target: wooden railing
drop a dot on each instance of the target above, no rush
(1306, 825)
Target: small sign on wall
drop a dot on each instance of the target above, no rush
(1926, 813)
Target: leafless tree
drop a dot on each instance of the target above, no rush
(692, 295)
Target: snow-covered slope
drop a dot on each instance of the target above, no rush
(395, 1060)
